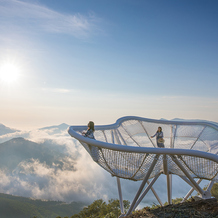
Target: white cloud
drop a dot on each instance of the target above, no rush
(6, 137)
(58, 90)
(78, 179)
(39, 17)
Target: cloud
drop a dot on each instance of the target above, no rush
(36, 16)
(59, 90)
(75, 177)
(8, 136)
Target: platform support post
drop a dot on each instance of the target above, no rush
(190, 192)
(155, 194)
(120, 195)
(169, 188)
(169, 178)
(146, 191)
(194, 184)
(210, 185)
(143, 184)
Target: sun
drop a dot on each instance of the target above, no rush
(9, 73)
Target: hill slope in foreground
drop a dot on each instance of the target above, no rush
(20, 207)
(202, 208)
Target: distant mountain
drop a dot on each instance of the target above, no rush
(189, 120)
(5, 130)
(57, 129)
(8, 133)
(193, 120)
(20, 207)
(17, 150)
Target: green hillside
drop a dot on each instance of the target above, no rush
(20, 207)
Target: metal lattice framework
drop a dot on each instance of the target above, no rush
(126, 150)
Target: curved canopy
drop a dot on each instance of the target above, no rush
(126, 150)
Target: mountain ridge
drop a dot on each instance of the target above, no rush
(5, 130)
(27, 207)
(17, 150)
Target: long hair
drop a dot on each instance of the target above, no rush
(160, 129)
(91, 125)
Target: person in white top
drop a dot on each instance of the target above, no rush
(90, 131)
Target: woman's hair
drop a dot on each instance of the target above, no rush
(91, 125)
(159, 128)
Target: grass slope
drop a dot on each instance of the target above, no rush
(199, 209)
(20, 207)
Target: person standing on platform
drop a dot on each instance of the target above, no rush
(159, 137)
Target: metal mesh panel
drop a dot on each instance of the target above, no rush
(151, 129)
(174, 169)
(123, 164)
(124, 134)
(125, 131)
(210, 138)
(137, 133)
(143, 140)
(201, 167)
(184, 142)
(132, 127)
(103, 163)
(158, 167)
(86, 147)
(189, 131)
(144, 167)
(186, 135)
(108, 136)
(99, 135)
(200, 146)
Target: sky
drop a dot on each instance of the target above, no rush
(73, 61)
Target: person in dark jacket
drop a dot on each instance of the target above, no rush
(159, 137)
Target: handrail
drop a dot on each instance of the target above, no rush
(126, 118)
(117, 147)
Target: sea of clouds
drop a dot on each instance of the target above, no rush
(77, 178)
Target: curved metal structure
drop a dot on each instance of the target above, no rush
(126, 150)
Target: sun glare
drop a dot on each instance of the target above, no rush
(9, 73)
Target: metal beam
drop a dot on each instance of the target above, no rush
(190, 191)
(143, 184)
(147, 133)
(194, 184)
(207, 193)
(130, 136)
(174, 137)
(165, 165)
(198, 137)
(112, 136)
(187, 181)
(155, 194)
(210, 185)
(169, 179)
(120, 195)
(104, 135)
(169, 188)
(121, 137)
(146, 191)
(116, 136)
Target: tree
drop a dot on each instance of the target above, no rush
(214, 190)
(100, 209)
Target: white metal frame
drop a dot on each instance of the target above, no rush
(171, 153)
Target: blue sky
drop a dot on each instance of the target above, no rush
(100, 60)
